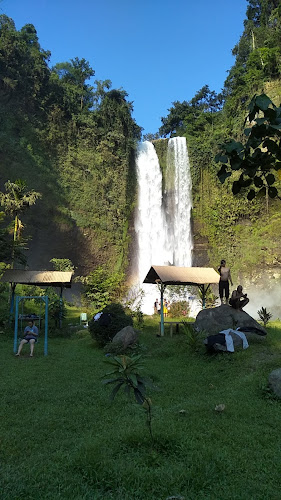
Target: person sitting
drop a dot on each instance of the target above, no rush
(238, 299)
(30, 337)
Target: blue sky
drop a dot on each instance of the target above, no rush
(159, 51)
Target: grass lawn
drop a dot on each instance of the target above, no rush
(61, 438)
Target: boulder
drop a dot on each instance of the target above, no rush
(274, 382)
(223, 317)
(127, 336)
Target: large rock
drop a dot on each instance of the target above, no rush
(220, 318)
(274, 381)
(127, 336)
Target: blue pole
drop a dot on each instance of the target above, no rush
(16, 325)
(46, 326)
(13, 288)
(162, 312)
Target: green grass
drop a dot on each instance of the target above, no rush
(61, 438)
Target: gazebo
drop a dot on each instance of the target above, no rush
(61, 279)
(202, 277)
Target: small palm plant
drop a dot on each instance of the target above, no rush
(193, 336)
(264, 316)
(125, 373)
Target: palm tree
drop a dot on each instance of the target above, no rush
(15, 200)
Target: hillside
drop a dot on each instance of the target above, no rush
(72, 142)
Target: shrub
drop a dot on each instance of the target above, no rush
(118, 319)
(180, 308)
(193, 337)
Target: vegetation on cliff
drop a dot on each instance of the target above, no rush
(72, 141)
(244, 232)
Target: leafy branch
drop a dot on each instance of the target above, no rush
(259, 158)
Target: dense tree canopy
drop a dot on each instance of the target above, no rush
(71, 138)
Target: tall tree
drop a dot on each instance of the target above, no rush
(73, 75)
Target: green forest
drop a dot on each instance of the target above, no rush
(246, 231)
(71, 141)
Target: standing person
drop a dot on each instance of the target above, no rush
(30, 337)
(159, 307)
(165, 309)
(238, 299)
(169, 307)
(156, 306)
(225, 275)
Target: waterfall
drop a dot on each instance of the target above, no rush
(150, 218)
(179, 203)
(162, 222)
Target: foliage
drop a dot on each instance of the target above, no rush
(14, 201)
(133, 303)
(76, 140)
(260, 157)
(118, 320)
(264, 315)
(193, 336)
(179, 308)
(101, 287)
(62, 264)
(210, 297)
(125, 371)
(191, 116)
(57, 308)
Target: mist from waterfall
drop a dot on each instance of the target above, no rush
(163, 216)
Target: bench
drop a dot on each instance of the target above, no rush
(172, 323)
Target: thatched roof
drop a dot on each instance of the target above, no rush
(38, 278)
(172, 275)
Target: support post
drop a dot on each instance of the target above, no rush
(204, 294)
(16, 325)
(12, 301)
(162, 311)
(203, 297)
(46, 326)
(60, 313)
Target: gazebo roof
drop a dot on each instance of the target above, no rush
(172, 275)
(38, 278)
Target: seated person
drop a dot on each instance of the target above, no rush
(30, 337)
(238, 299)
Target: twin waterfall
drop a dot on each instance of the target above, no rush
(163, 222)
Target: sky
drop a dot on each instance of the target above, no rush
(159, 51)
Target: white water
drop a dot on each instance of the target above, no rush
(162, 224)
(179, 203)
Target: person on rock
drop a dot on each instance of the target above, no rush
(225, 277)
(238, 299)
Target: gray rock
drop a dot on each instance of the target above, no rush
(127, 336)
(274, 382)
(220, 318)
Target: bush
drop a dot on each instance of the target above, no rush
(118, 319)
(180, 308)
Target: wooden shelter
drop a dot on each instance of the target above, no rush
(61, 279)
(202, 277)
